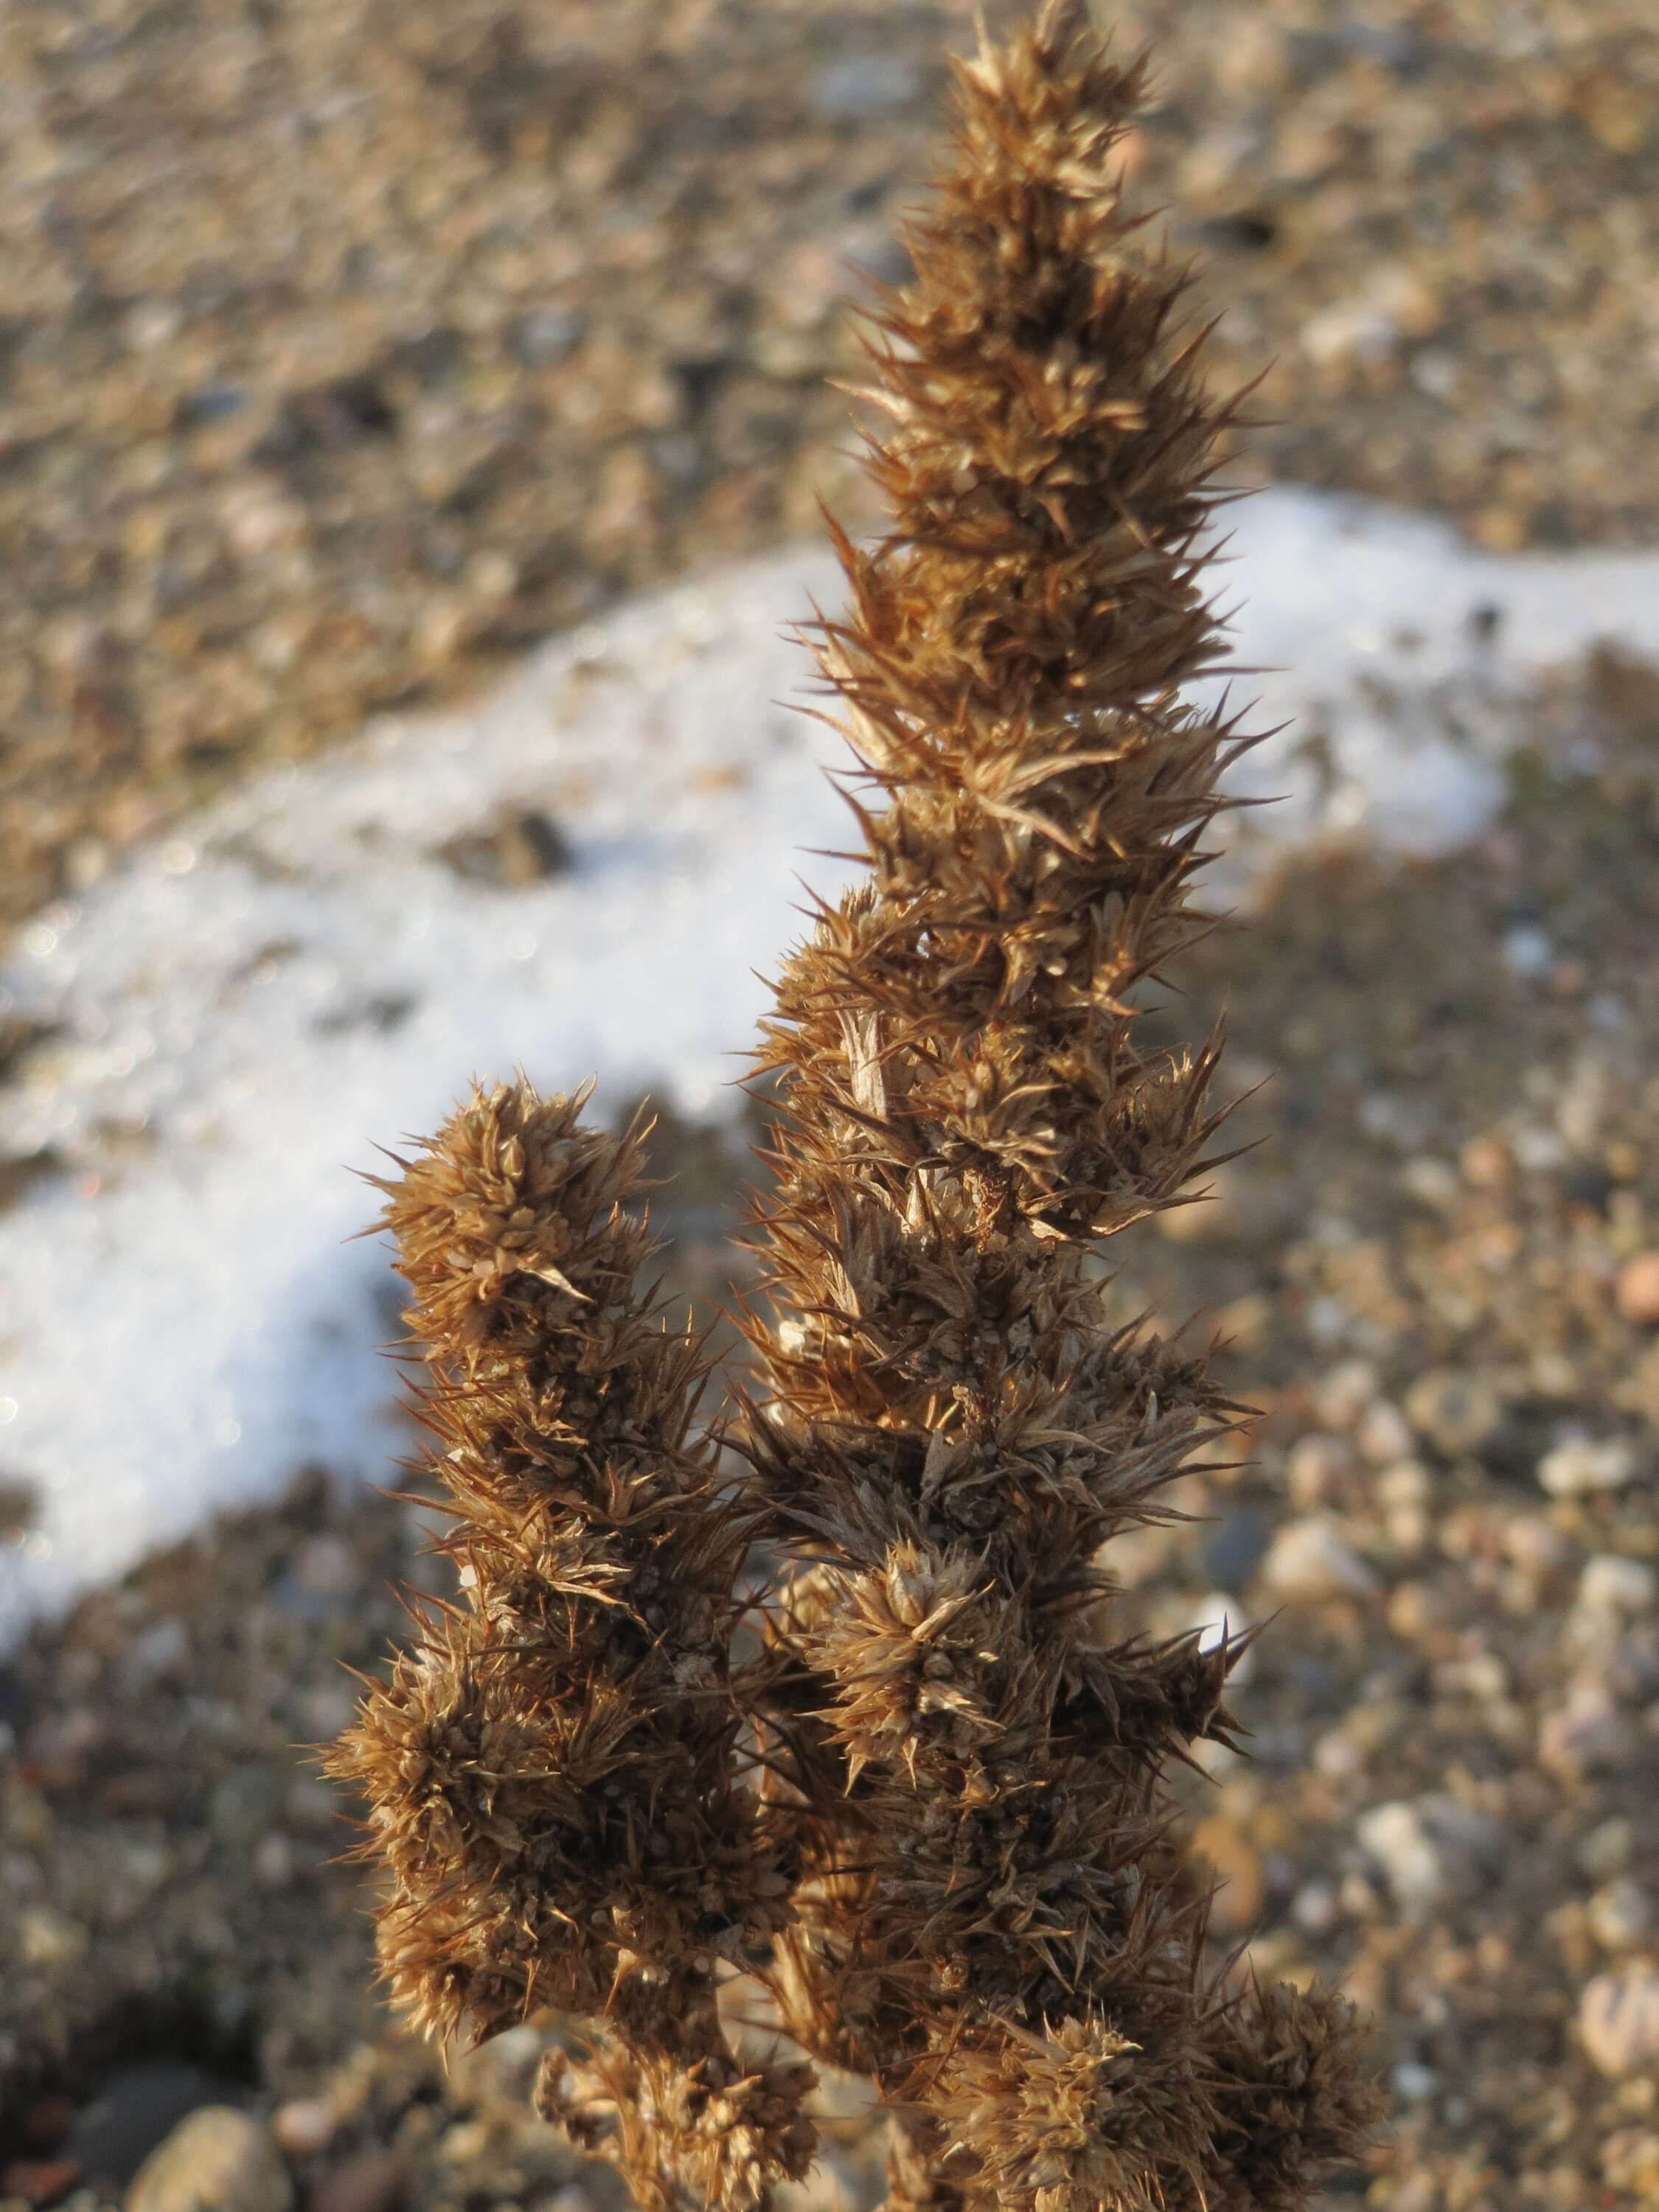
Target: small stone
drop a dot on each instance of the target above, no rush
(327, 1567)
(1456, 1413)
(1535, 1546)
(1414, 2083)
(1608, 1848)
(1487, 1164)
(1611, 1588)
(1316, 1908)
(1337, 1757)
(159, 1649)
(1630, 2163)
(217, 2161)
(1315, 1468)
(546, 335)
(47, 1940)
(372, 2182)
(1583, 1465)
(1619, 2020)
(1430, 1847)
(1404, 1485)
(1342, 1395)
(1237, 1864)
(304, 2126)
(1309, 1562)
(1396, 1837)
(510, 852)
(504, 2067)
(1620, 1915)
(1586, 1734)
(1382, 1435)
(1637, 1290)
(39, 2180)
(272, 1863)
(1350, 329)
(1431, 1182)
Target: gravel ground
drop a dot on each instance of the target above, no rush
(348, 349)
(1440, 1279)
(349, 346)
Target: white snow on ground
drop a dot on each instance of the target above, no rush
(257, 1001)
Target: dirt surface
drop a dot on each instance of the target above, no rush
(346, 350)
(348, 347)
(1439, 1275)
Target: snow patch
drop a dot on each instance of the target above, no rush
(298, 974)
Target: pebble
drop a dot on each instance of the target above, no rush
(1535, 1546)
(48, 1940)
(1316, 1908)
(304, 2126)
(1612, 1589)
(1342, 1395)
(1586, 1734)
(1630, 2161)
(1456, 1413)
(1620, 1915)
(1607, 1849)
(1637, 1290)
(1315, 1468)
(370, 2183)
(1415, 2084)
(1307, 1561)
(1243, 1888)
(1382, 1435)
(272, 1863)
(326, 1566)
(1430, 1848)
(1582, 1465)
(1619, 2020)
(1487, 1163)
(504, 2067)
(39, 2180)
(219, 2160)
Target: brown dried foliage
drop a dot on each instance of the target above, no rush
(930, 1818)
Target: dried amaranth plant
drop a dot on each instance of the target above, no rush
(930, 1818)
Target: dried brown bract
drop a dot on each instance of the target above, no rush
(955, 1870)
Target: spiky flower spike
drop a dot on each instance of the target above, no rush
(958, 1873)
(551, 1772)
(990, 1917)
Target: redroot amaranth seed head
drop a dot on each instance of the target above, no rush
(929, 1820)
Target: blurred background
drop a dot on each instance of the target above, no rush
(412, 423)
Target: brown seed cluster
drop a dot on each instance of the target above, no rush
(552, 1770)
(930, 1818)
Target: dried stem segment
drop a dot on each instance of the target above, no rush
(990, 1916)
(552, 1771)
